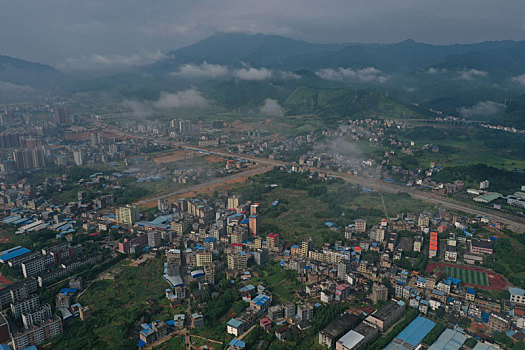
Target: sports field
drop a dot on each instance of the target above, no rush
(468, 276)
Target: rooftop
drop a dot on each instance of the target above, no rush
(449, 340)
(351, 339)
(235, 323)
(414, 333)
(342, 324)
(387, 310)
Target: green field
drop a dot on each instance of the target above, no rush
(467, 276)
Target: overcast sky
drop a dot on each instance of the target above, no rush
(71, 34)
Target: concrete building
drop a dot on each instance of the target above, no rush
(331, 333)
(386, 316)
(360, 225)
(517, 295)
(154, 239)
(78, 157)
(37, 334)
(481, 246)
(197, 320)
(254, 225)
(498, 323)
(237, 261)
(305, 312)
(24, 306)
(37, 316)
(379, 293)
(36, 265)
(233, 202)
(272, 242)
(357, 338)
(127, 215)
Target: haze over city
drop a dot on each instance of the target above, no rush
(262, 175)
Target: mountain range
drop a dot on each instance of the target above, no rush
(242, 70)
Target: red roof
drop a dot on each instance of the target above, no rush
(273, 235)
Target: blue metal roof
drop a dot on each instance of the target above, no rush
(12, 253)
(235, 323)
(416, 330)
(67, 291)
(237, 343)
(449, 340)
(260, 300)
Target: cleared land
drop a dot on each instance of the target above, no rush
(175, 156)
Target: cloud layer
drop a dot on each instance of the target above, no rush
(472, 74)
(252, 74)
(101, 62)
(214, 71)
(60, 29)
(520, 79)
(483, 110)
(272, 108)
(367, 75)
(204, 70)
(186, 99)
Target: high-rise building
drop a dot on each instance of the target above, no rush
(360, 225)
(306, 246)
(127, 215)
(254, 225)
(204, 258)
(379, 293)
(26, 159)
(254, 209)
(62, 116)
(184, 126)
(37, 334)
(78, 157)
(237, 260)
(272, 242)
(233, 202)
(342, 269)
(154, 239)
(423, 220)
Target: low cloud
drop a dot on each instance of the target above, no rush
(289, 75)
(138, 109)
(102, 62)
(272, 108)
(6, 87)
(256, 74)
(187, 99)
(484, 109)
(433, 70)
(183, 99)
(472, 74)
(214, 71)
(520, 79)
(369, 74)
(204, 70)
